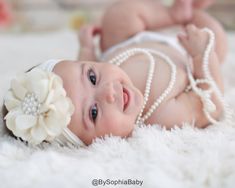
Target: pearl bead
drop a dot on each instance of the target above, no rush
(30, 104)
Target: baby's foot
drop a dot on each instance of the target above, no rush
(182, 11)
(202, 4)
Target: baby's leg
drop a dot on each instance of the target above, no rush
(126, 18)
(201, 20)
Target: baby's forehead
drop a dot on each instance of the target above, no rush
(66, 66)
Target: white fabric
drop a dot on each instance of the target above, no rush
(49, 64)
(187, 157)
(145, 36)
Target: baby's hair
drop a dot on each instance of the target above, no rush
(3, 114)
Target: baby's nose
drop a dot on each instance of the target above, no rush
(108, 93)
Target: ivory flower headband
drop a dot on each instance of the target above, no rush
(38, 108)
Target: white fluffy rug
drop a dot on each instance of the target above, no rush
(186, 157)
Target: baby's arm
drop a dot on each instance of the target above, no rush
(195, 42)
(187, 106)
(87, 48)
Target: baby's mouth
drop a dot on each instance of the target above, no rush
(126, 98)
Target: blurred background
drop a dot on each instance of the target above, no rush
(47, 15)
(33, 31)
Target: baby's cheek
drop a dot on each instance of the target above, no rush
(118, 125)
(112, 122)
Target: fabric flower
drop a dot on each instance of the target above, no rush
(38, 108)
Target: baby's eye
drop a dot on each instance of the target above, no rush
(93, 112)
(92, 76)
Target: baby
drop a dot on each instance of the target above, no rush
(144, 77)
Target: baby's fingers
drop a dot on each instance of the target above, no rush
(191, 29)
(183, 39)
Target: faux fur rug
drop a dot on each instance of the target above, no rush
(152, 157)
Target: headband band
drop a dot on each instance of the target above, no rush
(49, 64)
(67, 136)
(38, 108)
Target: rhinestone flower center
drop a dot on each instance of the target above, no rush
(30, 104)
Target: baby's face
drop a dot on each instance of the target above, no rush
(105, 100)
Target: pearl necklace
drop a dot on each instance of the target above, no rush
(122, 57)
(205, 95)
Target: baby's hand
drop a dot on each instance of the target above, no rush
(87, 48)
(86, 34)
(194, 41)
